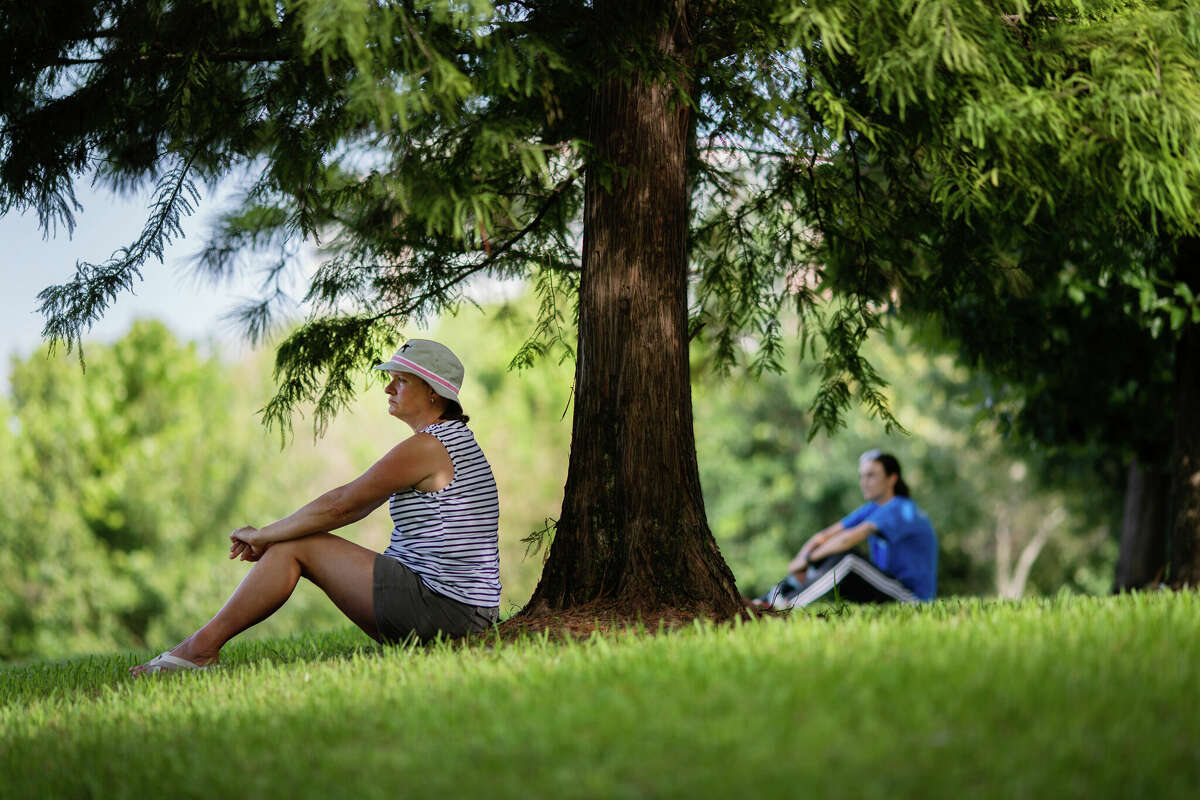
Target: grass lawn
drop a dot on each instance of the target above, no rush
(1069, 697)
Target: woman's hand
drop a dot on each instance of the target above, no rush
(245, 544)
(804, 557)
(800, 562)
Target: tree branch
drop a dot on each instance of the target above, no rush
(1033, 549)
(71, 307)
(413, 303)
(227, 57)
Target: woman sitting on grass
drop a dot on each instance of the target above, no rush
(902, 543)
(441, 572)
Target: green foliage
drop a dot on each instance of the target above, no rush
(1080, 362)
(848, 149)
(73, 308)
(124, 482)
(1021, 105)
(718, 711)
(1026, 174)
(420, 144)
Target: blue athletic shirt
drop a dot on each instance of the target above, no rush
(904, 544)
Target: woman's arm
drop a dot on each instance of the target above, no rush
(404, 466)
(802, 558)
(843, 540)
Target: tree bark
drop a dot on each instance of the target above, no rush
(1185, 467)
(1142, 558)
(632, 533)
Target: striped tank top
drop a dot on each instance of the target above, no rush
(450, 538)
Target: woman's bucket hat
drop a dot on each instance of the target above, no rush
(432, 362)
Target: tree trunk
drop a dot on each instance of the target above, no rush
(1004, 548)
(1185, 467)
(1143, 554)
(632, 534)
(1010, 579)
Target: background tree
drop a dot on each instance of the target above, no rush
(118, 485)
(1029, 174)
(1084, 365)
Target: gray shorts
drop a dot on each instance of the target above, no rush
(405, 607)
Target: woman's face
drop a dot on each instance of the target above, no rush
(409, 396)
(876, 485)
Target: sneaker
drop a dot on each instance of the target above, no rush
(777, 596)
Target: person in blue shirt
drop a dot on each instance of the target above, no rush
(900, 538)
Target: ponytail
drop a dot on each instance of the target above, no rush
(454, 413)
(892, 467)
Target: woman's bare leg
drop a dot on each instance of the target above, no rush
(344, 571)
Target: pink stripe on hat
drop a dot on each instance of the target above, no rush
(424, 373)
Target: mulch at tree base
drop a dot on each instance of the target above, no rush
(580, 622)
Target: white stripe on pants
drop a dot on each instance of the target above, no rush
(851, 565)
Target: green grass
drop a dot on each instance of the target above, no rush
(1071, 697)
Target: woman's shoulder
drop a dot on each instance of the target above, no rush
(446, 425)
(907, 511)
(449, 430)
(901, 504)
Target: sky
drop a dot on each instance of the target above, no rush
(29, 262)
(194, 310)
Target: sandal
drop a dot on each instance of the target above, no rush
(165, 662)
